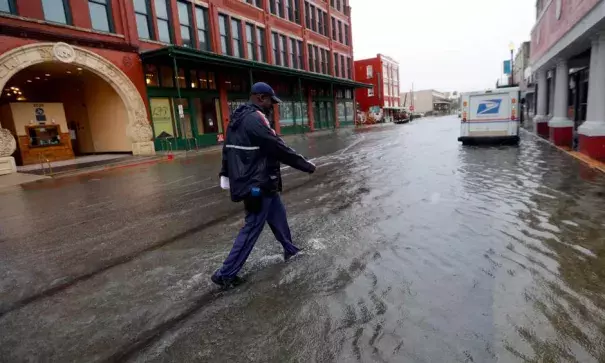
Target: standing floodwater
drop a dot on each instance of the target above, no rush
(416, 250)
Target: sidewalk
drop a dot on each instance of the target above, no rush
(107, 164)
(590, 162)
(13, 179)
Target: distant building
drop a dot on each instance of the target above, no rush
(520, 70)
(428, 101)
(521, 63)
(383, 73)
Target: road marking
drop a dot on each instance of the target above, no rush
(361, 138)
(177, 181)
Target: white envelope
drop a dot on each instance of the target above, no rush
(224, 183)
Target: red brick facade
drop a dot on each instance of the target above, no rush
(314, 36)
(383, 73)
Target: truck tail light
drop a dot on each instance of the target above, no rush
(464, 116)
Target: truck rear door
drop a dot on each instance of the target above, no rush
(489, 114)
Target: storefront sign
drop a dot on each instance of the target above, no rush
(161, 116)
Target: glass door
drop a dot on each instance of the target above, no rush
(317, 116)
(330, 113)
(207, 120)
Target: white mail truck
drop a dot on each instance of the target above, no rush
(490, 116)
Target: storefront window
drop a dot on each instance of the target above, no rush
(341, 111)
(302, 117)
(349, 111)
(330, 111)
(234, 104)
(202, 77)
(181, 78)
(236, 83)
(195, 83)
(321, 120)
(211, 80)
(167, 77)
(286, 114)
(161, 117)
(206, 116)
(152, 77)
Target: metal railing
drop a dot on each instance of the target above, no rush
(43, 160)
(166, 144)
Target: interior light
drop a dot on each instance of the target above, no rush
(47, 74)
(148, 81)
(79, 68)
(29, 81)
(68, 72)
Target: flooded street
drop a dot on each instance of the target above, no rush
(415, 250)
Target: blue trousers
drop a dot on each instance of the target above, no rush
(274, 213)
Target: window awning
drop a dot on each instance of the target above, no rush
(197, 56)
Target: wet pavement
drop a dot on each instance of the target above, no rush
(416, 250)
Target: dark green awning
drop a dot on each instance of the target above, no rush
(193, 55)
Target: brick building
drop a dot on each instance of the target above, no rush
(382, 73)
(567, 52)
(95, 76)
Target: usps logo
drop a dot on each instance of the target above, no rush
(489, 107)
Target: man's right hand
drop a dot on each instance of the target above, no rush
(312, 168)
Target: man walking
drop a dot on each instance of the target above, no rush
(251, 161)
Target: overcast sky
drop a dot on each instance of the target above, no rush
(448, 45)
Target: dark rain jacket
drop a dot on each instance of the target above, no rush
(252, 154)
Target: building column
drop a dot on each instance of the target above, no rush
(592, 132)
(310, 113)
(541, 120)
(561, 127)
(8, 145)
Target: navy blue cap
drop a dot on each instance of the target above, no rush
(261, 88)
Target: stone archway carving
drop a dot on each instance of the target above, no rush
(139, 130)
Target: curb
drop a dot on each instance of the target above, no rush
(587, 160)
(165, 156)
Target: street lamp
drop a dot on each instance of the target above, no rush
(511, 46)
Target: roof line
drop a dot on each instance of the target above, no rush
(219, 59)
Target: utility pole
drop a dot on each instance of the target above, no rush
(511, 46)
(412, 104)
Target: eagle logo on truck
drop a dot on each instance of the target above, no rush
(489, 107)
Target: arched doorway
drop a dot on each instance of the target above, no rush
(63, 57)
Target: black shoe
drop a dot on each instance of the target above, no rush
(288, 255)
(227, 282)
